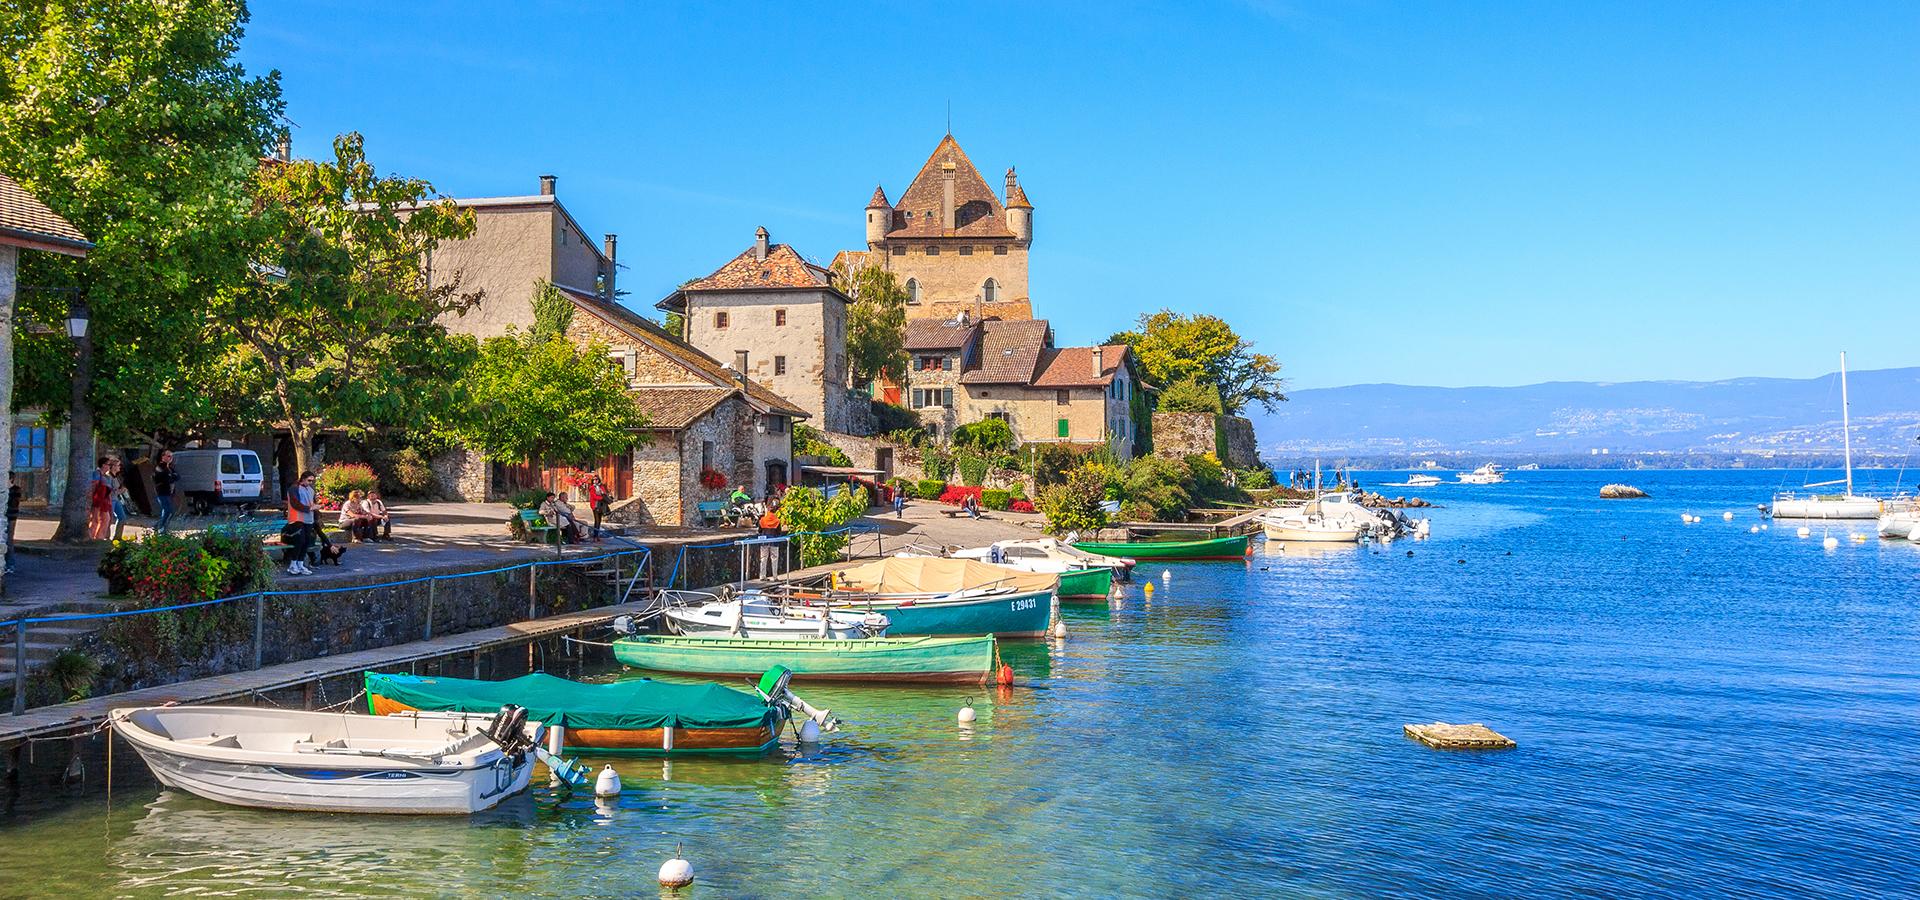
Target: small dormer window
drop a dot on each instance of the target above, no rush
(966, 250)
(913, 291)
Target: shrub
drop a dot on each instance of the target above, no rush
(804, 512)
(955, 494)
(973, 469)
(1074, 504)
(531, 498)
(113, 567)
(1156, 490)
(930, 489)
(892, 417)
(911, 437)
(936, 463)
(985, 436)
(72, 673)
(995, 499)
(1257, 479)
(166, 569)
(1191, 396)
(1022, 505)
(405, 473)
(338, 480)
(1050, 463)
(807, 441)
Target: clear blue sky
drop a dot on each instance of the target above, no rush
(1426, 193)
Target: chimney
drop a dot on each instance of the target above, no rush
(946, 196)
(546, 185)
(283, 147)
(760, 243)
(1011, 182)
(1099, 354)
(612, 242)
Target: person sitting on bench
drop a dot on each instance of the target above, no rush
(559, 514)
(375, 508)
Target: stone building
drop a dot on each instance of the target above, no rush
(951, 242)
(705, 422)
(517, 241)
(781, 322)
(961, 371)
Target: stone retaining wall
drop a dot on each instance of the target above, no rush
(1180, 434)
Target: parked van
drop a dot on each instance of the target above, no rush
(224, 476)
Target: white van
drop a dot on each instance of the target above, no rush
(221, 476)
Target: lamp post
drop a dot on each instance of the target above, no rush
(73, 504)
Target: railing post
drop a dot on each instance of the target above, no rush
(433, 581)
(20, 667)
(259, 626)
(533, 582)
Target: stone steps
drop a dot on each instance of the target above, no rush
(45, 640)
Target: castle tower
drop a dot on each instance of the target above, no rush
(1019, 211)
(879, 218)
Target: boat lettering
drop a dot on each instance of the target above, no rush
(1028, 603)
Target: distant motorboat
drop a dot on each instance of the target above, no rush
(1422, 480)
(1486, 474)
(1529, 467)
(1844, 505)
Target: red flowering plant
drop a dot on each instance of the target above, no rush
(956, 494)
(712, 480)
(1020, 506)
(338, 480)
(575, 478)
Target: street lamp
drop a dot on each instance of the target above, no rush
(77, 320)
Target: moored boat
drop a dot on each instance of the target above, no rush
(1844, 505)
(933, 596)
(1900, 524)
(427, 763)
(755, 614)
(959, 660)
(1234, 547)
(1083, 575)
(637, 715)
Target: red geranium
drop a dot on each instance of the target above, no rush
(712, 480)
(956, 494)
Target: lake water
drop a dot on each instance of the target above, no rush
(1699, 710)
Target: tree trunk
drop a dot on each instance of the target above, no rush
(80, 462)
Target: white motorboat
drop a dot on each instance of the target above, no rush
(418, 763)
(1900, 524)
(1486, 474)
(1844, 505)
(753, 614)
(1307, 525)
(1422, 480)
(1045, 555)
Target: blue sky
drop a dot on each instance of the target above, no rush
(1447, 194)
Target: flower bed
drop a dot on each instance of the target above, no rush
(956, 495)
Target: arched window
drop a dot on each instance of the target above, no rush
(913, 291)
(990, 291)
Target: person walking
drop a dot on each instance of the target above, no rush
(598, 501)
(13, 514)
(164, 480)
(301, 523)
(99, 502)
(116, 480)
(899, 502)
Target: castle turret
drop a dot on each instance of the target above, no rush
(879, 218)
(1019, 211)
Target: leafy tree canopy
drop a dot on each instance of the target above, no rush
(544, 398)
(1172, 347)
(876, 323)
(552, 311)
(1190, 395)
(986, 436)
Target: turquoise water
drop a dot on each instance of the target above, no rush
(1700, 710)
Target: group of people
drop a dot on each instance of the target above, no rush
(107, 500)
(364, 517)
(559, 512)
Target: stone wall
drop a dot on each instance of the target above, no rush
(950, 280)
(795, 342)
(1178, 434)
(462, 474)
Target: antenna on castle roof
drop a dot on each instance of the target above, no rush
(949, 117)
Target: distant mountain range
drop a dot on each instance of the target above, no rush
(1749, 421)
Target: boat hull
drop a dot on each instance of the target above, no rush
(1234, 547)
(1294, 535)
(1827, 508)
(1011, 615)
(646, 741)
(1086, 584)
(951, 660)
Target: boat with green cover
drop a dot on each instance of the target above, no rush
(1086, 584)
(1234, 547)
(868, 659)
(635, 715)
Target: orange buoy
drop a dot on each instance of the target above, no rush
(1006, 674)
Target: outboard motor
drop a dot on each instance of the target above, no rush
(624, 625)
(773, 688)
(509, 730)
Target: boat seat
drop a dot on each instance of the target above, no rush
(282, 741)
(214, 740)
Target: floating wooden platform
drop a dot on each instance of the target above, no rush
(1445, 736)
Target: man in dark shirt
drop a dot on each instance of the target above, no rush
(13, 514)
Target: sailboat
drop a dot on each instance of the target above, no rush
(1844, 505)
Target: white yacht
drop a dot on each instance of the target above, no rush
(1486, 474)
(1844, 505)
(1422, 480)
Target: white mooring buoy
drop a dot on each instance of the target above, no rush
(607, 784)
(1686, 517)
(1804, 531)
(676, 872)
(1727, 516)
(1830, 542)
(1754, 530)
(1166, 575)
(809, 731)
(967, 714)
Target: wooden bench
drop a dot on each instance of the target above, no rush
(710, 513)
(537, 528)
(957, 511)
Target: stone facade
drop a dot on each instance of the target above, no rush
(793, 342)
(462, 474)
(1236, 436)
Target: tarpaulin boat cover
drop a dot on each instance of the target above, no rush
(935, 575)
(632, 703)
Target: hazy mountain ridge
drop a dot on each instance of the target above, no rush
(1741, 416)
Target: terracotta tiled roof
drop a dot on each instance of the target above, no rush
(677, 407)
(698, 365)
(783, 268)
(849, 260)
(1073, 366)
(1017, 197)
(977, 212)
(25, 220)
(1009, 352)
(938, 334)
(879, 200)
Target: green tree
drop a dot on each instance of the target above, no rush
(1074, 504)
(544, 398)
(1190, 395)
(133, 120)
(990, 435)
(337, 317)
(552, 311)
(1172, 347)
(807, 514)
(876, 323)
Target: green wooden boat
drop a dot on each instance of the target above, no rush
(1212, 548)
(967, 659)
(1086, 584)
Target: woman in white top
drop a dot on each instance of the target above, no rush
(353, 515)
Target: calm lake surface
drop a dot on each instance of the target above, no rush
(1700, 710)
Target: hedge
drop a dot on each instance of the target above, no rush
(931, 488)
(995, 499)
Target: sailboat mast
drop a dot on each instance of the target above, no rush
(1846, 424)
